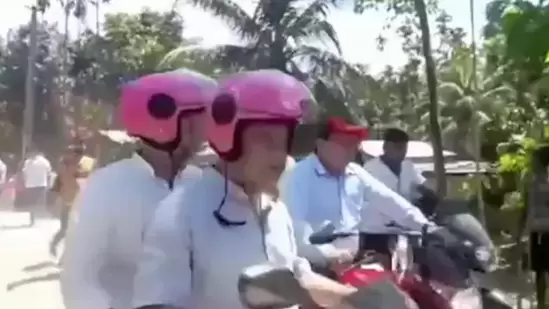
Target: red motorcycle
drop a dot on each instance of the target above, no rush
(415, 278)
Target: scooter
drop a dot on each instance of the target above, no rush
(370, 267)
(425, 279)
(266, 286)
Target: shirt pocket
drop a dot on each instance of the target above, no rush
(323, 201)
(353, 196)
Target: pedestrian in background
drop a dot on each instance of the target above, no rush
(74, 167)
(3, 173)
(36, 175)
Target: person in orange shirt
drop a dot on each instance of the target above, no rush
(73, 169)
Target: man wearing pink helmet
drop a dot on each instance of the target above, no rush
(192, 256)
(166, 111)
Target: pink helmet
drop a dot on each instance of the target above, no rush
(152, 106)
(268, 95)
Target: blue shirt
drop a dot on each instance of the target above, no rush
(352, 201)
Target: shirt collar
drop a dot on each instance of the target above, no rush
(321, 170)
(394, 167)
(142, 163)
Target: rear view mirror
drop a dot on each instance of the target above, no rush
(320, 236)
(266, 286)
(328, 234)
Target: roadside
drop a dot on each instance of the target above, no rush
(29, 276)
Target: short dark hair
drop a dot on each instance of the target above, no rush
(323, 130)
(396, 135)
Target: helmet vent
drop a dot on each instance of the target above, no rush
(161, 106)
(224, 109)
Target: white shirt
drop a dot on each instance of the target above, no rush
(3, 172)
(404, 184)
(290, 164)
(37, 172)
(105, 239)
(185, 232)
(353, 201)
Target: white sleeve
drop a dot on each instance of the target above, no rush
(164, 270)
(86, 248)
(390, 204)
(3, 175)
(300, 265)
(25, 166)
(297, 200)
(370, 165)
(417, 176)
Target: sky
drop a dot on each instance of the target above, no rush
(357, 33)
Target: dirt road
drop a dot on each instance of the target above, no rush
(28, 275)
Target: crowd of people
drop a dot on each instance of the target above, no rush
(153, 231)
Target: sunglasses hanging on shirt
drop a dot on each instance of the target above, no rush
(219, 217)
(222, 220)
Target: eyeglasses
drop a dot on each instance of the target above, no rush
(222, 220)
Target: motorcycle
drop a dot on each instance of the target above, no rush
(439, 270)
(266, 286)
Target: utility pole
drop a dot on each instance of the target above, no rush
(28, 114)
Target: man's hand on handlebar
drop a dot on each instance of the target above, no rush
(441, 235)
(325, 292)
(340, 259)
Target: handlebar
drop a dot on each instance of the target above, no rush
(269, 286)
(318, 239)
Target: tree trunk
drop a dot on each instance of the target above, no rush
(436, 136)
(97, 17)
(64, 96)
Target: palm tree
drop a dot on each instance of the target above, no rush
(467, 102)
(97, 4)
(277, 35)
(79, 10)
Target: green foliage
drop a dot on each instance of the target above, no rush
(525, 27)
(132, 45)
(139, 42)
(515, 167)
(278, 35)
(14, 69)
(129, 46)
(396, 6)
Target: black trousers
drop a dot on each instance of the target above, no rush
(539, 262)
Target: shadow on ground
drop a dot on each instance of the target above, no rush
(30, 280)
(14, 227)
(39, 266)
(13, 219)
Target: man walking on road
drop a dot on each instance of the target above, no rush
(73, 170)
(36, 173)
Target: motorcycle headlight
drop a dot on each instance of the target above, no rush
(483, 254)
(467, 299)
